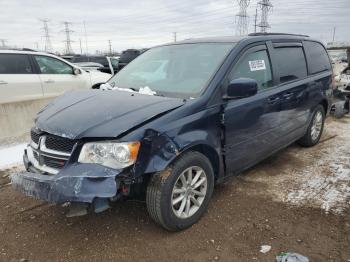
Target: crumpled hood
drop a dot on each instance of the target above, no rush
(97, 113)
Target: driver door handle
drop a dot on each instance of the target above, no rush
(49, 81)
(3, 82)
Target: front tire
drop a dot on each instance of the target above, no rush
(178, 196)
(315, 129)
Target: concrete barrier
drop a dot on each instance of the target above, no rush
(16, 118)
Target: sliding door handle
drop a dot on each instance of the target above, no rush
(3, 82)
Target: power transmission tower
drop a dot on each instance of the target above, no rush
(265, 6)
(3, 43)
(68, 48)
(242, 16)
(48, 46)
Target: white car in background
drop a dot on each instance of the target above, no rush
(27, 75)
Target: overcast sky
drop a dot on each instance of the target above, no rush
(144, 23)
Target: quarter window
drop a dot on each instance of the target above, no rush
(50, 65)
(291, 63)
(15, 64)
(255, 65)
(318, 59)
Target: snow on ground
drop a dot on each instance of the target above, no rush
(11, 155)
(310, 177)
(325, 182)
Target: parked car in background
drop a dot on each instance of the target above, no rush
(109, 64)
(26, 75)
(212, 108)
(127, 56)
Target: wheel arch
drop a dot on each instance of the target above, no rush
(208, 152)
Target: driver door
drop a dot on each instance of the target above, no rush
(58, 77)
(251, 124)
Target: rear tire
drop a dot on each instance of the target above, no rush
(178, 196)
(315, 129)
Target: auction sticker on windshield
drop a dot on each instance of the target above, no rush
(257, 65)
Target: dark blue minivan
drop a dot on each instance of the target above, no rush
(177, 120)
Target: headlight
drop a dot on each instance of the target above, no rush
(110, 154)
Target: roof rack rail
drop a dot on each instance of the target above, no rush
(260, 34)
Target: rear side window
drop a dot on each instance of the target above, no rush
(291, 63)
(15, 64)
(255, 65)
(317, 57)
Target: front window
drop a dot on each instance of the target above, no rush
(182, 70)
(50, 65)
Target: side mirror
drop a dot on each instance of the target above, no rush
(76, 71)
(241, 87)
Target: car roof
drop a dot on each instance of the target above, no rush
(250, 38)
(11, 51)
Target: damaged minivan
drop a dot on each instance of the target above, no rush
(177, 120)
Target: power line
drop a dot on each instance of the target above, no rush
(48, 45)
(68, 48)
(265, 6)
(242, 25)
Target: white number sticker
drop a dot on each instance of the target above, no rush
(257, 65)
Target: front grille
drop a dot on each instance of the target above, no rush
(59, 143)
(52, 152)
(34, 136)
(53, 162)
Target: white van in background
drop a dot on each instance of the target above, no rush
(27, 75)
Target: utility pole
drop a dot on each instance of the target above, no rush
(48, 46)
(81, 49)
(256, 19)
(242, 25)
(175, 37)
(68, 49)
(110, 47)
(3, 43)
(333, 34)
(86, 42)
(36, 45)
(265, 6)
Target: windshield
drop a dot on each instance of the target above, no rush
(181, 71)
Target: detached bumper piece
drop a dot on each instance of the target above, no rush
(79, 183)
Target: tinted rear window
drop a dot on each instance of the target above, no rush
(317, 56)
(290, 63)
(14, 64)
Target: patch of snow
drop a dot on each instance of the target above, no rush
(11, 155)
(143, 90)
(147, 91)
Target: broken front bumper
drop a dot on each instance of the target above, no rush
(74, 183)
